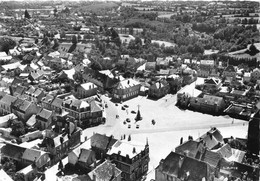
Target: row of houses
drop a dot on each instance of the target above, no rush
(206, 158)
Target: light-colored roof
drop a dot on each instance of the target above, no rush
(70, 73)
(107, 73)
(4, 176)
(11, 66)
(126, 148)
(7, 117)
(31, 121)
(88, 86)
(127, 83)
(207, 62)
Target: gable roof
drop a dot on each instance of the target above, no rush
(197, 169)
(212, 80)
(230, 68)
(105, 171)
(225, 151)
(8, 99)
(13, 151)
(102, 141)
(94, 107)
(84, 155)
(88, 86)
(212, 158)
(44, 114)
(57, 102)
(127, 83)
(22, 105)
(191, 148)
(212, 100)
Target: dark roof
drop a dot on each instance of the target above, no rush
(214, 132)
(170, 165)
(212, 158)
(190, 148)
(102, 141)
(22, 105)
(57, 102)
(230, 68)
(84, 155)
(178, 165)
(13, 151)
(197, 169)
(19, 89)
(44, 114)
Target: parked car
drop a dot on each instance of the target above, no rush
(123, 108)
(129, 125)
(137, 126)
(124, 122)
(116, 104)
(126, 106)
(128, 120)
(133, 112)
(106, 106)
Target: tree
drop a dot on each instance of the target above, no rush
(129, 138)
(74, 40)
(56, 44)
(55, 11)
(26, 15)
(6, 44)
(18, 128)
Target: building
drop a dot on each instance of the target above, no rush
(34, 94)
(229, 72)
(126, 89)
(86, 113)
(6, 103)
(179, 167)
(159, 89)
(24, 109)
(253, 138)
(105, 171)
(132, 158)
(45, 118)
(86, 90)
(212, 83)
(209, 104)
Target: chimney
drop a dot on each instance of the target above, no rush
(128, 82)
(161, 164)
(134, 151)
(61, 140)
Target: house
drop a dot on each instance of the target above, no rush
(255, 74)
(57, 63)
(86, 90)
(17, 90)
(179, 167)
(229, 72)
(83, 154)
(131, 157)
(207, 63)
(45, 118)
(159, 89)
(46, 101)
(56, 105)
(162, 63)
(24, 109)
(5, 119)
(209, 103)
(150, 66)
(191, 148)
(6, 103)
(203, 73)
(86, 113)
(100, 144)
(25, 156)
(36, 75)
(126, 89)
(34, 94)
(212, 83)
(105, 171)
(247, 77)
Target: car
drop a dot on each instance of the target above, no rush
(124, 122)
(116, 104)
(126, 106)
(129, 125)
(133, 112)
(137, 126)
(123, 108)
(128, 120)
(106, 106)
